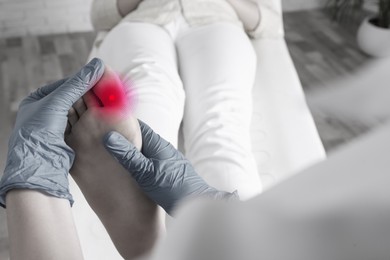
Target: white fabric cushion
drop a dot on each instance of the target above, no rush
(285, 139)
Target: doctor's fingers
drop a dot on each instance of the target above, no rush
(64, 97)
(80, 107)
(72, 117)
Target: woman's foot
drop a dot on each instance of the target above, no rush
(132, 220)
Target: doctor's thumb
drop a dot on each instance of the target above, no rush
(127, 155)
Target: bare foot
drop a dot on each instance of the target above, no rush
(132, 220)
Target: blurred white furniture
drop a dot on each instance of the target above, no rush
(285, 139)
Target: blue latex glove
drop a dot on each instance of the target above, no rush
(161, 171)
(38, 157)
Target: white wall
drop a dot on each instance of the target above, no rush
(36, 17)
(296, 5)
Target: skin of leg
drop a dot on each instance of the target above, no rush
(217, 66)
(41, 227)
(130, 217)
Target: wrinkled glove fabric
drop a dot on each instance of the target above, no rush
(38, 157)
(161, 171)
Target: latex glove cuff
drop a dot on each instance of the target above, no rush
(37, 161)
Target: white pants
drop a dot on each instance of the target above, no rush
(201, 75)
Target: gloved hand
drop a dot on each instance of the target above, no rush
(38, 157)
(161, 171)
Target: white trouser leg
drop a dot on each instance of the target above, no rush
(217, 65)
(145, 55)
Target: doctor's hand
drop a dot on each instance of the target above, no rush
(161, 171)
(38, 157)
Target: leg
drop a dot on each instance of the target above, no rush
(145, 55)
(131, 219)
(41, 227)
(217, 65)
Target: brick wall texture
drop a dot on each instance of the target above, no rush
(298, 5)
(40, 17)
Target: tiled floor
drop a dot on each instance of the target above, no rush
(320, 49)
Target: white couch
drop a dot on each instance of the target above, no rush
(285, 139)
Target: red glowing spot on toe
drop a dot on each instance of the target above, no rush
(112, 93)
(111, 98)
